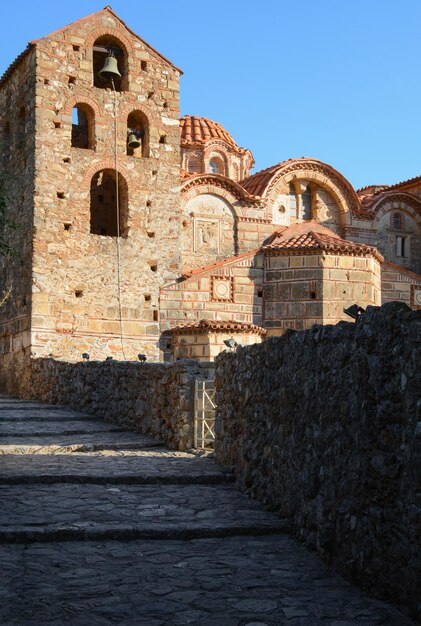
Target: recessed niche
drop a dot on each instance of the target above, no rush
(46, 81)
(72, 80)
(57, 124)
(153, 266)
(67, 160)
(260, 293)
(61, 195)
(147, 297)
(154, 172)
(76, 48)
(148, 202)
(78, 293)
(150, 94)
(67, 226)
(155, 316)
(313, 295)
(144, 65)
(151, 234)
(163, 139)
(165, 105)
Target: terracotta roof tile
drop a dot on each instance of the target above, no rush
(257, 183)
(399, 268)
(218, 326)
(187, 273)
(312, 237)
(198, 130)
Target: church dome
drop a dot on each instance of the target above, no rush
(197, 131)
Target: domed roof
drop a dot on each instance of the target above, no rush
(198, 130)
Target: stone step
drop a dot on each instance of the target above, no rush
(154, 466)
(13, 416)
(229, 581)
(93, 512)
(55, 429)
(67, 444)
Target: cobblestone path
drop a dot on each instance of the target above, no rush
(99, 526)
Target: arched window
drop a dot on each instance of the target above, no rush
(103, 47)
(21, 129)
(235, 172)
(138, 125)
(292, 201)
(401, 249)
(104, 209)
(306, 203)
(397, 222)
(194, 165)
(216, 166)
(83, 126)
(6, 141)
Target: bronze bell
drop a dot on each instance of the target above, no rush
(110, 69)
(132, 141)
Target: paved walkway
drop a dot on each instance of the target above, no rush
(99, 526)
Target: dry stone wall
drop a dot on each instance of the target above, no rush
(324, 425)
(150, 398)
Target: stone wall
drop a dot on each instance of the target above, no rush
(307, 289)
(150, 398)
(76, 269)
(225, 291)
(17, 166)
(322, 426)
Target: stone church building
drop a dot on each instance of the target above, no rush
(140, 233)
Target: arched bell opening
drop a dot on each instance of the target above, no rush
(109, 214)
(138, 135)
(83, 127)
(109, 63)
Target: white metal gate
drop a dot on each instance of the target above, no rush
(204, 413)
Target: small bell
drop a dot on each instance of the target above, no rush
(110, 69)
(133, 142)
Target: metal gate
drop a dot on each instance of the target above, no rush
(204, 413)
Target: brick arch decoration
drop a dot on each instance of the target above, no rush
(74, 100)
(220, 186)
(326, 177)
(404, 202)
(112, 32)
(137, 106)
(108, 164)
(218, 153)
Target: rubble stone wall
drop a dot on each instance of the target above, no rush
(17, 166)
(322, 426)
(151, 398)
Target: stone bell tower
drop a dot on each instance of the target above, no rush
(98, 164)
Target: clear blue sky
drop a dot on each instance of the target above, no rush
(337, 80)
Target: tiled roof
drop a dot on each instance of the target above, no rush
(198, 130)
(312, 237)
(393, 266)
(218, 326)
(410, 181)
(257, 183)
(187, 273)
